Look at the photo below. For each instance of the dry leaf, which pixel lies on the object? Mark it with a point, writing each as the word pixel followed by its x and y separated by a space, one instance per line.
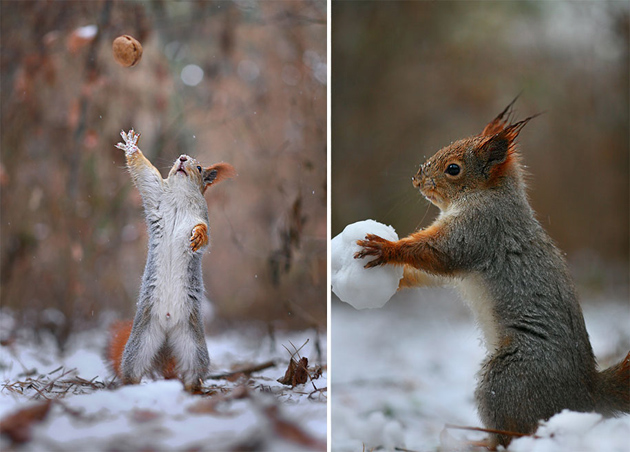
pixel 142 416
pixel 316 373
pixel 292 432
pixel 204 406
pixel 296 374
pixel 17 426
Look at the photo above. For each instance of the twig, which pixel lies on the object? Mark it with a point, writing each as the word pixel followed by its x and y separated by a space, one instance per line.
pixel 488 430
pixel 244 370
pixel 56 370
pixel 297 350
pixel 320 390
pixel 50 385
pixel 40 393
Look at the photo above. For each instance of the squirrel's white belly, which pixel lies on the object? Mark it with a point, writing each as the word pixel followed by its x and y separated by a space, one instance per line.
pixel 474 291
pixel 172 258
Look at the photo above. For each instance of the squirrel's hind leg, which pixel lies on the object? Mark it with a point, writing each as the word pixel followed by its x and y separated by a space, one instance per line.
pixel 145 342
pixel 188 343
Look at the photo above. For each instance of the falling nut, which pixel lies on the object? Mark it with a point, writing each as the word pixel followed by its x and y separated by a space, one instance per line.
pixel 127 50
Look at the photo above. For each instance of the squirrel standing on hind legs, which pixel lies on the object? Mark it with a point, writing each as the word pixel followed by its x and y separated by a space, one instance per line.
pixel 167 335
pixel 488 242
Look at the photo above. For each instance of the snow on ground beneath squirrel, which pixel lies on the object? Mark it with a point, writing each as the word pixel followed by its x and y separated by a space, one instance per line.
pixel 254 412
pixel 401 373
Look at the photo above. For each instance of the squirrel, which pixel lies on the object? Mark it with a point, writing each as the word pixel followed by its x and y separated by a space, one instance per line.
pixel 487 241
pixel 167 336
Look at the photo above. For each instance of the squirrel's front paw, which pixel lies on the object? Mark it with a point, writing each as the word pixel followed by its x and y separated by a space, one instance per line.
pixel 130 142
pixel 199 237
pixel 373 245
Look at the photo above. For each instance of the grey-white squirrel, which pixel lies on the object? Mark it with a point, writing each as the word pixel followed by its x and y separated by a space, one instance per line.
pixel 167 335
pixel 487 241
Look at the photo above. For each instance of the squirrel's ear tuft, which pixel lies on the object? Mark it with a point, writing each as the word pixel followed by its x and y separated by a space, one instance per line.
pixel 498 124
pixel 216 173
pixel 513 130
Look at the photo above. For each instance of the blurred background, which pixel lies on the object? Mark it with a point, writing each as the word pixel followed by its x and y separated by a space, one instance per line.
pixel 237 81
pixel 412 77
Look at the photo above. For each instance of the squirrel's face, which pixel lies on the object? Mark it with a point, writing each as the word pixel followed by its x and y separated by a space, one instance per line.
pixel 452 171
pixel 473 164
pixel 187 170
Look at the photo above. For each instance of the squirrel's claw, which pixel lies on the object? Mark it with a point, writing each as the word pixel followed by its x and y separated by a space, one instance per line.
pixel 372 246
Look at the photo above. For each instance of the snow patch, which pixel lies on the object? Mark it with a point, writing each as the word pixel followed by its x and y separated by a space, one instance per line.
pixel 569 431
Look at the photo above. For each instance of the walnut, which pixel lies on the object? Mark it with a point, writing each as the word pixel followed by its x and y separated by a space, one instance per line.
pixel 127 50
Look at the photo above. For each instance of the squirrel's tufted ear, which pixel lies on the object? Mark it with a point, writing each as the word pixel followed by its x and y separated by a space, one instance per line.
pixel 494 149
pixel 216 173
pixel 497 148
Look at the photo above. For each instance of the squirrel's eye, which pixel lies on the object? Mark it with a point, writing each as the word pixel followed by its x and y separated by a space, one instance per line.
pixel 453 169
pixel 199 168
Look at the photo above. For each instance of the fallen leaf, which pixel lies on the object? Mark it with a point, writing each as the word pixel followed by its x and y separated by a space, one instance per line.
pixel 17 426
pixel 297 372
pixel 204 406
pixel 292 432
pixel 316 373
pixel 301 372
pixel 142 416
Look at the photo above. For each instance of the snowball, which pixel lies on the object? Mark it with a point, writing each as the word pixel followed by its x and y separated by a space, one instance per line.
pixel 351 282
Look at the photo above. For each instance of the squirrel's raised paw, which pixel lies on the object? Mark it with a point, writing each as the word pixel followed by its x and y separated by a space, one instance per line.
pixel 373 245
pixel 130 142
pixel 199 237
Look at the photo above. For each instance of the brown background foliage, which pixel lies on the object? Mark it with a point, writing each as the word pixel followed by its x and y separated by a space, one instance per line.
pixel 72 230
pixel 411 77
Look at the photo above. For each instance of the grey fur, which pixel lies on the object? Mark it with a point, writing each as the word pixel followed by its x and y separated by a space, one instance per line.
pixel 545 362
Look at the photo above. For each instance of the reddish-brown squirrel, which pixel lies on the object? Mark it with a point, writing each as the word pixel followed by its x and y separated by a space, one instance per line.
pixel 166 336
pixel 488 242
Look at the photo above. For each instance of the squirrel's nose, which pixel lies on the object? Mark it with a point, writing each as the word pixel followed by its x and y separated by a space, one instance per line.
pixel 183 158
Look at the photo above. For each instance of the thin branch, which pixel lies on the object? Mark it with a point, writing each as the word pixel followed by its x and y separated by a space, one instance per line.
pixel 244 370
pixel 488 430
pixel 297 350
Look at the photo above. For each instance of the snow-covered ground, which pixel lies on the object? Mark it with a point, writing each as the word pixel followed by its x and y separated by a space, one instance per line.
pixel 400 373
pixel 253 412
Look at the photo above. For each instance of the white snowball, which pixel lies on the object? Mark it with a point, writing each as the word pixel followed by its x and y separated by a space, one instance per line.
pixel 361 287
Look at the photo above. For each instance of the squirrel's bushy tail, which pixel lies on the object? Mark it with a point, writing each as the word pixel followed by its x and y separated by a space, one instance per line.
pixel 613 389
pixel 119 334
